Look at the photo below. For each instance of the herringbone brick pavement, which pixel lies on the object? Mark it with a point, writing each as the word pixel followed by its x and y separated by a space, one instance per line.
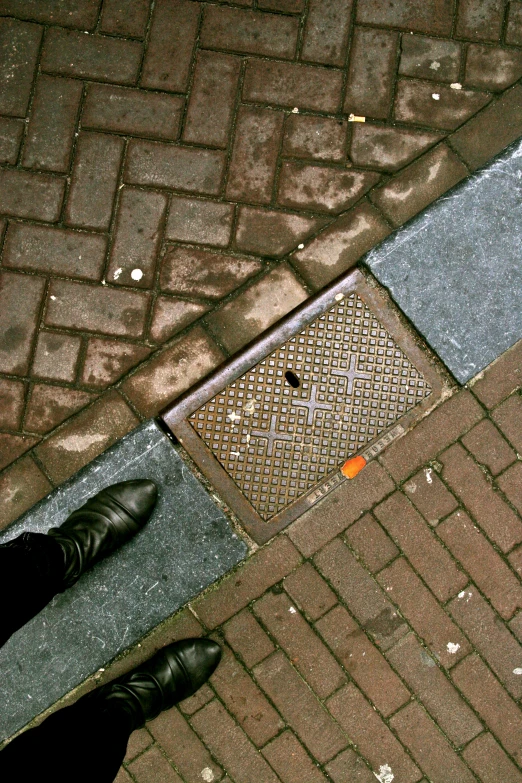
pixel 177 175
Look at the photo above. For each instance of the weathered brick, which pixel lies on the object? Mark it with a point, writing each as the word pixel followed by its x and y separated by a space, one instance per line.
pixel 194 703
pixel 125 17
pixel 340 246
pixel 348 767
pixel 66 14
pixel 508 416
pixel 511 485
pixel 340 509
pixel 289 759
pixel 489 447
pixel 92 431
pixel 370 734
pixel 247 638
pixel 321 138
pixel 415 103
pixel 430 58
pixel 107 360
pixel 169 166
pixel 268 566
pixel 21 485
pixel 55 250
pixel 94 180
pixel 13 446
pixel 423 612
pixel 490 636
pixel 91 56
pixel 421 546
pixel 214 84
pixel 171 44
pixel 271 233
pixel 326 31
pixel 371 75
pixel 293 85
pixel 310 591
pixel 52 122
pixel 431 435
pixel 12 395
pixel 300 708
pixel 182 745
pixel 50 406
pixel 492 68
pixel 170 315
pixel 137 237
pixel 491 130
pixel 480 20
pixel 19 47
pixel 365 664
pixel 436 692
pixel 309 656
pixel 133 112
pixel 199 273
pixel 122 776
pixel 172 371
pixel 245 701
pixel 371 543
pixel 427 492
pixel 501 378
pixel 430 749
pixel 230 746
pixel 56 356
pixel 322 188
pixel 254 155
pixel 492 703
pixel 25 194
pixel 487 760
pixel 361 594
pixel 249 32
pixel 20 302
pixel 153 766
pixel 257 308
pixel 196 220
pixel 286 6
pixel 139 741
pixel 433 16
pixel 514 25
pixel 11 132
pixel 419 184
pixel 96 309
pixel 468 481
pixel 388 148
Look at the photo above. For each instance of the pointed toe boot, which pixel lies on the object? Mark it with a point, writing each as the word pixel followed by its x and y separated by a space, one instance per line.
pixel 173 674
pixel 103 524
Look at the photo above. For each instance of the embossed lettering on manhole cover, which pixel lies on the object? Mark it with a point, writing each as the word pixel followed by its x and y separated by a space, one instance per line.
pixel 344 373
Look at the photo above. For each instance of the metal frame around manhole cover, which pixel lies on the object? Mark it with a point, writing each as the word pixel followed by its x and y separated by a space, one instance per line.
pixel 271 428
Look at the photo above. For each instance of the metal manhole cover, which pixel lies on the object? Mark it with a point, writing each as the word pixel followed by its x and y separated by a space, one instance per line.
pixel 341 376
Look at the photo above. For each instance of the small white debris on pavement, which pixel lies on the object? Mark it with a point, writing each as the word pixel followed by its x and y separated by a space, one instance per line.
pixel 234 416
pixel 428 473
pixel 136 274
pixel 385 774
pixel 355 118
pixel 436 96
pixel 207 775
pixel 118 272
pixel 435 65
pixel 53 298
pixel 456 86
pixel 295 110
pixel 452 648
pixel 235 453
pixel 250 406
pixel 292 610
pixel 517 671
pixel 301 246
pixel 339 297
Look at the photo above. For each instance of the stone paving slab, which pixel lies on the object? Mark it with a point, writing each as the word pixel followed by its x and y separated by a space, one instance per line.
pixel 186 546
pixel 456 271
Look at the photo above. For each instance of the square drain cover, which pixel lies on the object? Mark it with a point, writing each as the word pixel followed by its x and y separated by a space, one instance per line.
pixel 341 376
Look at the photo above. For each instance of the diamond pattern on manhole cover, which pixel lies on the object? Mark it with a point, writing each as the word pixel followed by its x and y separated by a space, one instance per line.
pixel 276 441
pixel 340 376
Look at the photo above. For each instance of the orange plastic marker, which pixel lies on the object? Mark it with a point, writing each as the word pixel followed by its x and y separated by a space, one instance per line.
pixel 353 466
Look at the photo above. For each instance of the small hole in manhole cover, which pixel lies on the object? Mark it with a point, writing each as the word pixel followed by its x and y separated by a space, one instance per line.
pixel 292 379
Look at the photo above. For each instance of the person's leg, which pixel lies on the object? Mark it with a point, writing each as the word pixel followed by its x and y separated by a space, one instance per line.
pixel 31 570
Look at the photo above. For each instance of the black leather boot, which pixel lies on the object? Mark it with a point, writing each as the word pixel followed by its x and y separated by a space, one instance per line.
pixel 103 524
pixel 174 673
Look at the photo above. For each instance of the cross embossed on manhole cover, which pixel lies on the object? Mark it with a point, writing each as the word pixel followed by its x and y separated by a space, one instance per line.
pixel 332 386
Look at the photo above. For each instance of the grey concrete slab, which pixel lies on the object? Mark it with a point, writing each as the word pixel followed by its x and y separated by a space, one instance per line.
pixel 456 270
pixel 185 547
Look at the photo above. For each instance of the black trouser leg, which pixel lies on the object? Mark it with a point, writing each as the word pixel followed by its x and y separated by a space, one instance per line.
pixel 84 743
pixel 31 569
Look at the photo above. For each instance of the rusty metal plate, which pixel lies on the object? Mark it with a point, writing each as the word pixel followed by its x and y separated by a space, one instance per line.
pixel 341 376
